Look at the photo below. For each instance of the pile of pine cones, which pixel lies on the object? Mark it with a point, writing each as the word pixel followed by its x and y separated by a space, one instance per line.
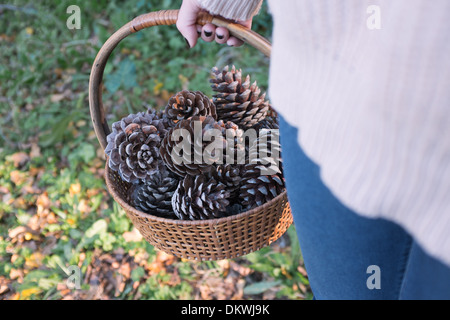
pixel 225 183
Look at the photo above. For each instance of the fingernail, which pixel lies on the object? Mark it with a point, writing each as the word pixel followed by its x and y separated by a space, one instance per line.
pixel 208 34
pixel 187 43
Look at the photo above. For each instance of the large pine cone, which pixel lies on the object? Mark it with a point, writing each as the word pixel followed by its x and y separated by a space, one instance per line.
pixel 155 195
pixel 267 123
pixel 133 146
pixel 186 104
pixel 230 176
pixel 266 149
pixel 201 149
pixel 257 189
pixel 200 198
pixel 237 101
pixel 262 175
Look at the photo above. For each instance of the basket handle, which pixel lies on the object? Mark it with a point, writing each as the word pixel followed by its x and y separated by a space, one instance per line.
pixel 165 17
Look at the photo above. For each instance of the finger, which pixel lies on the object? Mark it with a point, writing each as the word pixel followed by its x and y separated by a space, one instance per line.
pixel 199 30
pixel 209 32
pixel 222 35
pixel 247 24
pixel 186 22
pixel 234 42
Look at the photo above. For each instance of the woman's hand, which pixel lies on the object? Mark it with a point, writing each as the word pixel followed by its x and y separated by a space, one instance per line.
pixel 187 26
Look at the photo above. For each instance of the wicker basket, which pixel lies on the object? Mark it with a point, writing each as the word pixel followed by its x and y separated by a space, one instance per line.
pixel 217 239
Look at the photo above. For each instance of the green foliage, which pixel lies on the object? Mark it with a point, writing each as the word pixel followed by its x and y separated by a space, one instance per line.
pixel 55 211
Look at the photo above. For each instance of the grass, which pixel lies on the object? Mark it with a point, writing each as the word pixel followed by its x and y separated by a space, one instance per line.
pixel 55 211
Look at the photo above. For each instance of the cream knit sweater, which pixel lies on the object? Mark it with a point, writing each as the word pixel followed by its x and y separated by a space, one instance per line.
pixel 368 85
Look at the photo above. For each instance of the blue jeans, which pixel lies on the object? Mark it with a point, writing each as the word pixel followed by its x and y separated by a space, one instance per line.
pixel 347 256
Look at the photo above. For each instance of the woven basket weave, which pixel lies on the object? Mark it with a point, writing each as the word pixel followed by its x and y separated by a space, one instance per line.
pixel 216 239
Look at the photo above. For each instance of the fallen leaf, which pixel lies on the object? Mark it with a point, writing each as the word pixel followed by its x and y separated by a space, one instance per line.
pixel 17 231
pixel 225 265
pixel 30 190
pixel 165 258
pixel 25 294
pixel 155 267
pixel 17 177
pixel 15 274
pixel 133 236
pixel 57 97
pixel 125 270
pixel 35 150
pixel 52 218
pixel 35 171
pixel 75 189
pixel 43 203
pixel 15 296
pixel 302 271
pixel 240 269
pixel 3 288
pixel 34 260
pixel 20 159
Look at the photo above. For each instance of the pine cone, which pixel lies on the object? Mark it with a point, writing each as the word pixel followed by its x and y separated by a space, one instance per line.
pixel 262 175
pixel 237 101
pixel 193 157
pixel 230 176
pixel 267 123
pixel 258 189
pixel 265 151
pixel 133 146
pixel 155 195
pixel 200 198
pixel 186 104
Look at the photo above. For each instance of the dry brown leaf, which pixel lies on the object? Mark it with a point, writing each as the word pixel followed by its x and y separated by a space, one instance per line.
pixel 30 190
pixel 35 150
pixel 17 231
pixel 302 271
pixel 34 223
pixel 34 260
pixel 43 203
pixel 225 265
pixel 75 189
pixel 155 267
pixel 57 97
pixel 17 177
pixel 165 258
pixel 16 274
pixel 125 270
pixel 83 207
pixel 36 171
pixel 52 218
pixel 20 159
pixel 240 269
pixel 133 236
pixel 15 296
pixel 20 203
pixel 270 294
pixel 3 288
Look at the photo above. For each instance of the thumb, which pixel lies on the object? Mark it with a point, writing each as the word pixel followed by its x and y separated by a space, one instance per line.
pixel 186 23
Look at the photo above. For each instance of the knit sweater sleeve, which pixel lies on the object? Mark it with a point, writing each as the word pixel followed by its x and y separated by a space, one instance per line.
pixel 241 10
